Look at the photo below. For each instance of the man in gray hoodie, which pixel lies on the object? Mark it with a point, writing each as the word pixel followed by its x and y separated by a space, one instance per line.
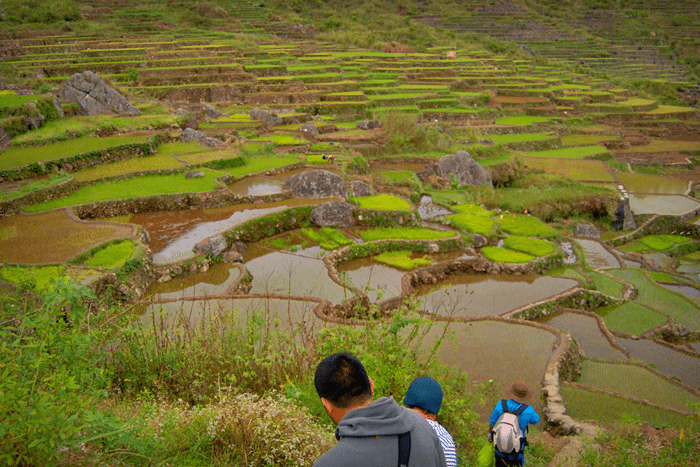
pixel 369 431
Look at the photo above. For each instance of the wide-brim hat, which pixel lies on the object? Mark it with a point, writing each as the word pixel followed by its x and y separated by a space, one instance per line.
pixel 519 392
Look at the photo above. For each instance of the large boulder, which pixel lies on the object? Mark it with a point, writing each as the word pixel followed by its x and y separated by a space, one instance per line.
pixel 316 184
pixel 465 169
pixel 212 246
pixel 334 214
pixel 267 116
pixel 94 96
pixel 360 189
pixel 586 231
pixel 189 135
pixel 5 141
pixel 624 217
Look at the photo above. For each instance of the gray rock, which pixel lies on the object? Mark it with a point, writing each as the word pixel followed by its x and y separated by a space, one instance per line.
pixel 5 141
pixel 239 247
pixel 267 116
pixel 57 104
pixel 210 112
pixel 586 231
pixel 309 128
pixel 368 124
pixel 190 135
pixel 94 97
pixel 466 170
pixel 486 141
pixel 195 174
pixel 480 241
pixel 35 122
pixel 232 256
pixel 315 184
pixel 334 214
pixel 433 248
pixel 360 188
pixel 212 246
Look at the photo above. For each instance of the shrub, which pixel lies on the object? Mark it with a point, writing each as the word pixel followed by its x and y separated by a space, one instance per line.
pixel 358 165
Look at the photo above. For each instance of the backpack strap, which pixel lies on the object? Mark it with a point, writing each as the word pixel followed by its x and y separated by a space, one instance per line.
pixel 504 404
pixel 404 449
pixel 520 410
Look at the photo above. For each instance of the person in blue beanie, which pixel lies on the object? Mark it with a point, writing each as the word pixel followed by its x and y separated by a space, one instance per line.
pixel 424 395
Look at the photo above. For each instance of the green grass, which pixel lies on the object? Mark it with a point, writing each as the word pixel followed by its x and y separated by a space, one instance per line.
pixel 587 405
pixel 23 155
pixel 261 164
pixel 663 242
pixel 531 246
pixel 521 137
pixel 637 382
pixel 577 152
pixel 679 308
pixel 382 202
pixel 633 319
pixel 473 209
pixel 282 140
pixel 400 177
pixel 404 233
pixel 575 169
pixel 523 120
pixel 132 188
pixel 472 223
pixel 526 226
pixel 402 259
pixel 113 256
pixel 503 255
pixel 139 164
pixel 42 276
pixel 606 285
pixel 23 189
pixel 657 276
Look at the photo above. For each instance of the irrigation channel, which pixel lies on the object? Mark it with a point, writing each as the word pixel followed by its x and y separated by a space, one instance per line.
pixel 295 285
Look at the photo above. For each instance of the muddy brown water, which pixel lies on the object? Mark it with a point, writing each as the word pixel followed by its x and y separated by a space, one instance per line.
pixel 671 205
pixel 585 331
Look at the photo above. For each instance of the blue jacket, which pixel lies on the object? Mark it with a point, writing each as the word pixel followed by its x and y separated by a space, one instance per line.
pixel 529 416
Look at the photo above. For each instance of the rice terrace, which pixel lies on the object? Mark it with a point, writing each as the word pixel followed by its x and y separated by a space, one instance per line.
pixel 201 200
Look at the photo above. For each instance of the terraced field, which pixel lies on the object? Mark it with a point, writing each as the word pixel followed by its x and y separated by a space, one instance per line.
pixel 566 142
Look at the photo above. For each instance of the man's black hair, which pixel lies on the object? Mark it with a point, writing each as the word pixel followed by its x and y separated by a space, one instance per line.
pixel 341 379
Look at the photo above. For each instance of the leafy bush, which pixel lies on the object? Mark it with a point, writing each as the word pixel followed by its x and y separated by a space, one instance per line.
pixel 52 374
pixel 357 165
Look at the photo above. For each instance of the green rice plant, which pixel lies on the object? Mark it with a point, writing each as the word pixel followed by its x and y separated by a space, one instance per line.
pixel 113 256
pixel 587 405
pixel 606 285
pixel 578 152
pixel 520 137
pixel 137 164
pixel 314 235
pixel 400 178
pixel 503 255
pixel 255 165
pixel 150 185
pixel 472 223
pixel 382 202
pixel 282 140
pixel 663 277
pixel 172 148
pixel 23 189
pixel 23 155
pixel 404 233
pixel 531 246
pixel 664 301
pixel 637 382
pixel 575 169
pixel 402 259
pixel 524 120
pixel 288 241
pixel 473 209
pixel 586 139
pixel 664 241
pixel 633 319
pixel 336 236
pixel 526 226
pixel 446 197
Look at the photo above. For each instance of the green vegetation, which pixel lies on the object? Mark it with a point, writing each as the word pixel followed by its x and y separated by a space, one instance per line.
pixel 633 319
pixel 503 255
pixel 131 188
pixel 531 246
pixel 327 237
pixel 577 152
pixel 526 226
pixel 471 223
pixel 663 242
pixel 383 203
pixel 606 285
pixel 472 209
pixel 112 256
pixel 405 233
pixel 402 259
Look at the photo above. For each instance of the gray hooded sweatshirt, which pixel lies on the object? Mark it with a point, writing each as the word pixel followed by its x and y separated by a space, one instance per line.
pixel 368 437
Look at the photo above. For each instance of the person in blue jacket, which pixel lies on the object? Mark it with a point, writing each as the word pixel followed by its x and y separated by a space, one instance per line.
pixel 517 395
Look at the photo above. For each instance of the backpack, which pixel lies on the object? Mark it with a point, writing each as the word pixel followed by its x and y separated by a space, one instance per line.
pixel 507 435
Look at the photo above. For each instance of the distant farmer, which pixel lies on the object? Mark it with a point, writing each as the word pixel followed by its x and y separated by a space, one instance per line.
pixel 509 421
pixel 424 395
pixel 370 433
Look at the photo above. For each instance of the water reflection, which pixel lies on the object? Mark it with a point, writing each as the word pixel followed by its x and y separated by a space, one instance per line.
pixel 596 254
pixel 585 331
pixel 671 205
pixel 489 295
pixel 256 186
pixel 181 248
pixel 377 280
pixel 668 361
pixel 656 184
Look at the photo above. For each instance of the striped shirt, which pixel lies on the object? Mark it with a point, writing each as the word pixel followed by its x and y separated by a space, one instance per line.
pixel 448 444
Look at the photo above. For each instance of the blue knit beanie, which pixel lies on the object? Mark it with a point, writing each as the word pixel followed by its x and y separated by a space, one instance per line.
pixel 426 393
